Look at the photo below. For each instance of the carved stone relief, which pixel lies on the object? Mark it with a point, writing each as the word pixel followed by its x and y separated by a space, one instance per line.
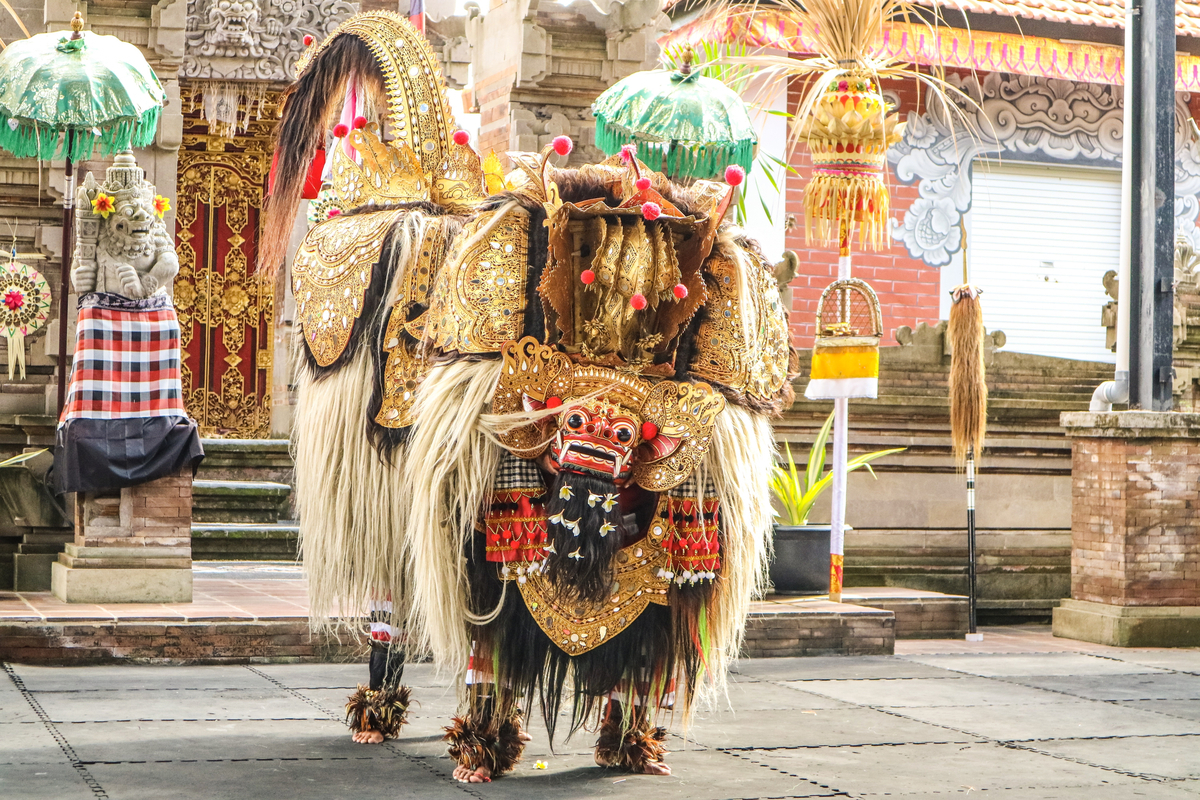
pixel 1018 118
pixel 254 39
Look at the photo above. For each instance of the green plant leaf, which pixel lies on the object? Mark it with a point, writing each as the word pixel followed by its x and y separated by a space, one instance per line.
pixel 798 491
pixel 21 458
pixel 816 456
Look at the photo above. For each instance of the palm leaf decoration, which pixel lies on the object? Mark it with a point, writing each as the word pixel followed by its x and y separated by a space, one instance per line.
pixel 842 117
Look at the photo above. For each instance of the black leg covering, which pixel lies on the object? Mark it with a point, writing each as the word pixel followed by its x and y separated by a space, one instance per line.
pixel 387 666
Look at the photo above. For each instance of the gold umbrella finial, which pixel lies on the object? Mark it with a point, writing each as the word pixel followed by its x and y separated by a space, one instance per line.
pixel 688 56
pixel 77 26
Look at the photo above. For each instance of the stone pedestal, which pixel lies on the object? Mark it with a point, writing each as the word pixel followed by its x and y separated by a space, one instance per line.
pixel 1135 530
pixel 132 546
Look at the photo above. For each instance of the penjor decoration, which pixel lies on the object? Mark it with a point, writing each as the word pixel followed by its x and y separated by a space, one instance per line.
pixel 533 430
pixel 847 126
pixel 25 295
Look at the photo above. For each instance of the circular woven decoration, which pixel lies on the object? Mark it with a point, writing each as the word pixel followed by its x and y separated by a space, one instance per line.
pixel 24 300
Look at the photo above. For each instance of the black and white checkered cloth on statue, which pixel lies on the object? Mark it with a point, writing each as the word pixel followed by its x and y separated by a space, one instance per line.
pixel 124 422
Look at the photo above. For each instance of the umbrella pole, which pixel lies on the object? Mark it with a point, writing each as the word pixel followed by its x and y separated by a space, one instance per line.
pixel 64 306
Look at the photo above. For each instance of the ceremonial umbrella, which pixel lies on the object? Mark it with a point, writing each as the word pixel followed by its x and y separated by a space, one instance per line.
pixel 63 94
pixel 692 125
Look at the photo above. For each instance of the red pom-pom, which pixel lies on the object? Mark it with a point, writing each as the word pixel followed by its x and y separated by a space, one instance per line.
pixel 360 122
pixel 734 175
pixel 680 291
pixel 308 40
pixel 628 152
pixel 562 145
pixel 461 137
pixel 587 276
pixel 333 212
pixel 553 402
pixel 642 184
pixel 340 131
pixel 638 301
pixel 649 431
pixel 651 210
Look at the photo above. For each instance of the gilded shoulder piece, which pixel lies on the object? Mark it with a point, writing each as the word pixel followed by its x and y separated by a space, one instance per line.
pixel 330 275
pixel 742 342
pixel 478 302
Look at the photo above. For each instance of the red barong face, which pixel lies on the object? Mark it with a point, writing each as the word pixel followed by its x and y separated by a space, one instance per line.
pixel 598 438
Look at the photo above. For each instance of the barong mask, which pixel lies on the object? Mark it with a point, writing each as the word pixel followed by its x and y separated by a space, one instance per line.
pixel 668 424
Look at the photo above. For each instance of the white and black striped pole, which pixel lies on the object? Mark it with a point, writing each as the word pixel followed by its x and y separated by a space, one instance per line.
pixel 972 635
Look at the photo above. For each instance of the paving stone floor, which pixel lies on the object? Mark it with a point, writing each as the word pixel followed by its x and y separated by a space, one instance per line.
pixel 1042 719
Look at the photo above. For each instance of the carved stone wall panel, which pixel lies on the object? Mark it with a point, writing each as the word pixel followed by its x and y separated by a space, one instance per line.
pixel 1025 119
pixel 226 309
pixel 254 39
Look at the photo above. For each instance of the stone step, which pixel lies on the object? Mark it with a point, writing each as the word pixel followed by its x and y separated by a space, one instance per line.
pixel 245 542
pixel 224 501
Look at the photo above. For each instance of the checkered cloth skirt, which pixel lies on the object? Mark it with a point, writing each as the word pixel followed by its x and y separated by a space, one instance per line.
pixel 126 359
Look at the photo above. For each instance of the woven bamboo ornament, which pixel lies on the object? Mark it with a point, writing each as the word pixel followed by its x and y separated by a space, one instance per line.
pixel 842 117
pixel 848 133
pixel 24 308
pixel 846 352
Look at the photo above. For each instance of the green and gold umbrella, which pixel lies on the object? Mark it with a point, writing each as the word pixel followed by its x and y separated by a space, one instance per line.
pixel 61 95
pixel 690 125
pixel 64 93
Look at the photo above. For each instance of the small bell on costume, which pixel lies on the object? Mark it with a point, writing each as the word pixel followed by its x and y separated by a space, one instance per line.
pixel 845 359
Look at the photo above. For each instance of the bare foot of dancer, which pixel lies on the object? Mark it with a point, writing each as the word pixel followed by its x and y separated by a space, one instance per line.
pixel 467 775
pixel 368 737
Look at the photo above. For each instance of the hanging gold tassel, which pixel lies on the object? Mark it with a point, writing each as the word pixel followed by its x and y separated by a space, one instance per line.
pixel 968 387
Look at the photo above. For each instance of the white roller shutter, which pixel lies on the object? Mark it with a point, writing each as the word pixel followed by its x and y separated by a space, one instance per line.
pixel 1040 240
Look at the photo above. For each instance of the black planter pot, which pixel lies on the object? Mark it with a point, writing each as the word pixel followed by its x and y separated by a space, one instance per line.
pixel 801 563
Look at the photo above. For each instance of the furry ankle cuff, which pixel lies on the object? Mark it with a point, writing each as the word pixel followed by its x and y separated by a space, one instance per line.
pixel 495 745
pixel 385 710
pixel 632 749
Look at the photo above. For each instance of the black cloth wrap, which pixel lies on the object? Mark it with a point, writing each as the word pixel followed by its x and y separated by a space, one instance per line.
pixel 92 455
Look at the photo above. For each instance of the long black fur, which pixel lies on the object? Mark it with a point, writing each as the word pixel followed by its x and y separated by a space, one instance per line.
pixel 530 666
pixel 588 578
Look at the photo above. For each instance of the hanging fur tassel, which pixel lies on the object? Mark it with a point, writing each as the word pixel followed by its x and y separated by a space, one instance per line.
pixel 968 387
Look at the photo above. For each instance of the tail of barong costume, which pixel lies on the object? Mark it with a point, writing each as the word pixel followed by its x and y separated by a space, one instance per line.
pixel 536 420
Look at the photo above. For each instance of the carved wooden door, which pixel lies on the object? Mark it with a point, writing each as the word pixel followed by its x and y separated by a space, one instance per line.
pixel 226 309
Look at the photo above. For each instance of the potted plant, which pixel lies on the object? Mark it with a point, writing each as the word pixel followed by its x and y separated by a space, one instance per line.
pixel 801 562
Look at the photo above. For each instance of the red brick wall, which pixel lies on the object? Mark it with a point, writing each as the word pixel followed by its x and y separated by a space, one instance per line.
pixel 908 288
pixel 1135 521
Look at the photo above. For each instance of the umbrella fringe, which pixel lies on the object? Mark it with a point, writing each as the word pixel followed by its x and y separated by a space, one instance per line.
pixel 705 161
pixel 28 140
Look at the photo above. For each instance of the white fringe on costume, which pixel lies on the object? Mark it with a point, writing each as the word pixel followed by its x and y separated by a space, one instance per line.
pixel 451 466
pixel 739 463
pixel 351 503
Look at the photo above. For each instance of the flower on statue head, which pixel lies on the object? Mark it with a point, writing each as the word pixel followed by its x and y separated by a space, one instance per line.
pixel 103 204
pixel 161 205
pixel 14 300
